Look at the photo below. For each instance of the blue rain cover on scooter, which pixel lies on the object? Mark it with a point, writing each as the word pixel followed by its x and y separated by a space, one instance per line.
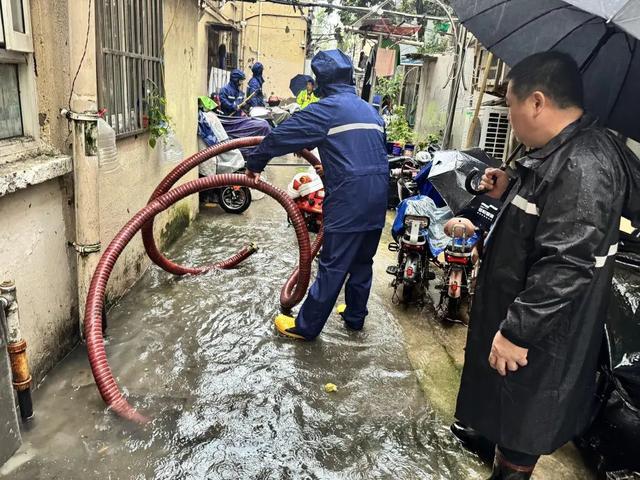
pixel 423 206
pixel 205 132
pixel 425 187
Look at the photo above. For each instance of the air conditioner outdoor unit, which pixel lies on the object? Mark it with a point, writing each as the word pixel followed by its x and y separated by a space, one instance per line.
pixel 495 130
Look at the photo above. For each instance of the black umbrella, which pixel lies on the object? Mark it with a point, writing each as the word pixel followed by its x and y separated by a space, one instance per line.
pixel 299 83
pixel 602 36
pixel 448 174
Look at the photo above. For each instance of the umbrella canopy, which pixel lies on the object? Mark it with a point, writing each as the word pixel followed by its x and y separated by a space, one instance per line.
pixel 449 173
pixel 602 36
pixel 299 83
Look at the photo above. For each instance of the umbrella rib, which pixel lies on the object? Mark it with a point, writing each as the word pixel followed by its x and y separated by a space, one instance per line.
pixel 624 80
pixel 544 14
pixel 573 30
pixel 604 39
pixel 486 10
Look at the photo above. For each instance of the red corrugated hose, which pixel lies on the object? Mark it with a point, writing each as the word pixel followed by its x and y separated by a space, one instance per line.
pixel 162 198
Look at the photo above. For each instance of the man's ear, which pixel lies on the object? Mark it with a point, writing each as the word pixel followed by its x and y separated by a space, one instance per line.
pixel 539 101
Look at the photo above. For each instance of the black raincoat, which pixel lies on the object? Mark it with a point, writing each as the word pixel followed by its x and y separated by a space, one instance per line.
pixel 544 283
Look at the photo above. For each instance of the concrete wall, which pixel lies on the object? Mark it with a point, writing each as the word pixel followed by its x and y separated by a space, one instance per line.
pixel 34 252
pixel 433 98
pixel 39 220
pixel 276 38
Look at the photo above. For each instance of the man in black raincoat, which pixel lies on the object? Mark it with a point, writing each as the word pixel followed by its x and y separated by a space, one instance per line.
pixel 541 298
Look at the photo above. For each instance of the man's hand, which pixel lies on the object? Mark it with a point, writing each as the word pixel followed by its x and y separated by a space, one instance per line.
pixel 506 355
pixel 255 176
pixel 319 170
pixel 495 182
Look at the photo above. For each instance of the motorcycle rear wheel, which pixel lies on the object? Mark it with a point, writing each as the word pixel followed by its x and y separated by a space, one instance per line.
pixel 235 201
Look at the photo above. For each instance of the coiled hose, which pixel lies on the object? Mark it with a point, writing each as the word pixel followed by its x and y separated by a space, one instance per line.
pixel 289 296
pixel 107 385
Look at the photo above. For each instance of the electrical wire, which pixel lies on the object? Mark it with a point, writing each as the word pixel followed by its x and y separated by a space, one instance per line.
pixel 84 54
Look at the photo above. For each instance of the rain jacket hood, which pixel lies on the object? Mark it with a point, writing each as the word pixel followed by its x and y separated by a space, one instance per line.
pixel 544 284
pixel 236 76
pixel 334 72
pixel 257 69
pixel 255 86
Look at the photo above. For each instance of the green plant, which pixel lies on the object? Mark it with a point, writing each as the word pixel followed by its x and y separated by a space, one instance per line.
pixel 390 86
pixel 398 129
pixel 159 121
pixel 430 139
pixel 434 41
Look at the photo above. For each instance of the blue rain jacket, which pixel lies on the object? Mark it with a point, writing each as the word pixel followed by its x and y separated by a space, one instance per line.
pixel 255 85
pixel 230 95
pixel 350 137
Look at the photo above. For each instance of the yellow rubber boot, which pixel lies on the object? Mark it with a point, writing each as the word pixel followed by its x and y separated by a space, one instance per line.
pixel 341 308
pixel 284 323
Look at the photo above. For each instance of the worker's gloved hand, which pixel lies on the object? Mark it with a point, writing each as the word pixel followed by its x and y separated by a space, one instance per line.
pixel 255 176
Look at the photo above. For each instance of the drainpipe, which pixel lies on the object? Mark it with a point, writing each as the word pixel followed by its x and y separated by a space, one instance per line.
pixel 86 199
pixel 259 29
pixel 17 348
pixel 81 112
pixel 243 33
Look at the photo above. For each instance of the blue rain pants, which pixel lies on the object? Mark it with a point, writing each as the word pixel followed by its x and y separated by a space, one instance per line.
pixel 344 256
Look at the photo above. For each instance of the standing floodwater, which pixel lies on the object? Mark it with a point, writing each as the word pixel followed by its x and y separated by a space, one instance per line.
pixel 232 399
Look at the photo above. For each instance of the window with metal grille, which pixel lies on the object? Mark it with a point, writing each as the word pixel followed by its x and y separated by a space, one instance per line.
pixel 495 132
pixel 130 61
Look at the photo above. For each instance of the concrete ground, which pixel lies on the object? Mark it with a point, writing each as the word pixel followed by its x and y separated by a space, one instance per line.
pixel 235 400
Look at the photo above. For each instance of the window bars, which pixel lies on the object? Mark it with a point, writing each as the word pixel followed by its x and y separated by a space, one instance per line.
pixel 129 41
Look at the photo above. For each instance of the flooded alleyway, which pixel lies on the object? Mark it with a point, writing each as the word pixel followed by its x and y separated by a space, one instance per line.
pixel 230 398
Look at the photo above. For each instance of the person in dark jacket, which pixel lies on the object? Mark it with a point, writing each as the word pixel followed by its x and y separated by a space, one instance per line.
pixel 350 137
pixel 255 86
pixel 541 300
pixel 231 95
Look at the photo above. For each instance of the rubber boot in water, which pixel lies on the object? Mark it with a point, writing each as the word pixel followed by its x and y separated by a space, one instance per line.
pixel 505 470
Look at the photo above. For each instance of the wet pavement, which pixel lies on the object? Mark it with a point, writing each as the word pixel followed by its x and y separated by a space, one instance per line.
pixel 230 398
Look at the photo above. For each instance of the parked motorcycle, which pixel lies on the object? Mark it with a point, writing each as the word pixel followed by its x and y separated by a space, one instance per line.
pixel 458 270
pixel 402 185
pixel 232 199
pixel 411 274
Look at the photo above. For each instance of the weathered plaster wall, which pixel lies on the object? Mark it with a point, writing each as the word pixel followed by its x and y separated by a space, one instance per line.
pixel 278 41
pixel 51 37
pixel 433 96
pixel 39 221
pixel 34 253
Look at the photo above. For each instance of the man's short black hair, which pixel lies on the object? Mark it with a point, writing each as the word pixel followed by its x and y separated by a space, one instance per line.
pixel 555 74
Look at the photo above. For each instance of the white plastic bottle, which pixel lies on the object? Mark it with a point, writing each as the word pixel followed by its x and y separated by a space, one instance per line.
pixel 107 151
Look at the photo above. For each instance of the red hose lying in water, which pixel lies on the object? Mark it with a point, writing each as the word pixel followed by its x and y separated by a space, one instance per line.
pixel 102 373
pixel 287 297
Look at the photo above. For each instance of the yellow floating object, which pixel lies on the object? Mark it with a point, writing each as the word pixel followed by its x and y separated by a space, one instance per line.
pixel 330 387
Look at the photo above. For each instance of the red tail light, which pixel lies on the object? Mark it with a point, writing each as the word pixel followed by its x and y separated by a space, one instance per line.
pixel 457 260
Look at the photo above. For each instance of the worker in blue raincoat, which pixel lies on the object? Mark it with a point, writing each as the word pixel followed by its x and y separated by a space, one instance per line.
pixel 255 86
pixel 350 137
pixel 231 95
